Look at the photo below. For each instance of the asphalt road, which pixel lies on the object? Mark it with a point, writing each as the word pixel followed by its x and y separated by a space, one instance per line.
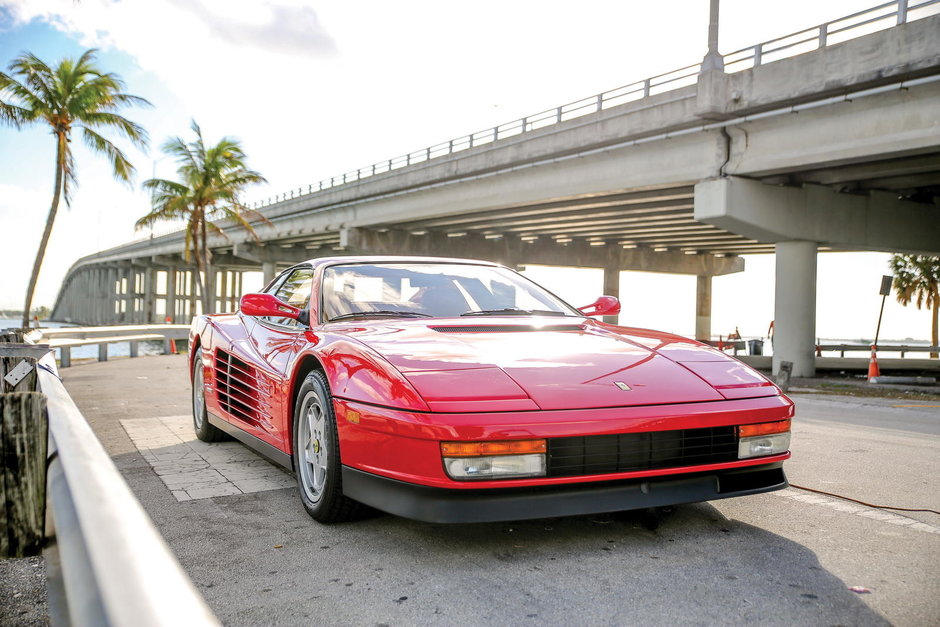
pixel 783 558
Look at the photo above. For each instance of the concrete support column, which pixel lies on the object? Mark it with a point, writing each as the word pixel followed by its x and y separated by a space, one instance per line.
pixel 82 296
pixel 795 307
pixel 269 270
pixel 193 296
pixel 612 288
pixel 703 308
pixel 150 294
pixel 236 289
pixel 112 296
pixel 98 289
pixel 171 295
pixel 127 302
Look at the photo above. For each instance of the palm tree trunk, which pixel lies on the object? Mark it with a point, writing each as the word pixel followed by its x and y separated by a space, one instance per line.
pixel 197 253
pixel 50 220
pixel 208 294
pixel 934 326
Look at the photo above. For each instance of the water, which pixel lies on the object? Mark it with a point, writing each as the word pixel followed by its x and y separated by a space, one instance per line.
pixel 122 349
pixel 118 349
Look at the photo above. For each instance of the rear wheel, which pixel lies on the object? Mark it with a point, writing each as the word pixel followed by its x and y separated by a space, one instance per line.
pixel 317 455
pixel 204 431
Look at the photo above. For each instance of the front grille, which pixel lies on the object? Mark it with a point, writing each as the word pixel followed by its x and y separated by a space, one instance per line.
pixel 629 452
pixel 516 328
pixel 240 392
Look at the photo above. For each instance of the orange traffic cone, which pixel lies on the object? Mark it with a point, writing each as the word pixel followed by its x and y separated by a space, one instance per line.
pixel 169 320
pixel 873 364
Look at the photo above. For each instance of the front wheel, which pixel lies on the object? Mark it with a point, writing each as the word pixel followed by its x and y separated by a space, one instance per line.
pixel 316 453
pixel 204 431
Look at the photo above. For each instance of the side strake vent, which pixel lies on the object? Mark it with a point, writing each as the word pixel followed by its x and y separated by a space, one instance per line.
pixel 240 392
pixel 508 328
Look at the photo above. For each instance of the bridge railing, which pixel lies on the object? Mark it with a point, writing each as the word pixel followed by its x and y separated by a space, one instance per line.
pixel 820 36
pixel 826 34
pixel 858 24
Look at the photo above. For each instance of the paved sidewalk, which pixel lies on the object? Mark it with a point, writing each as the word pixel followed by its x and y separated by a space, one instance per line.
pixel 192 469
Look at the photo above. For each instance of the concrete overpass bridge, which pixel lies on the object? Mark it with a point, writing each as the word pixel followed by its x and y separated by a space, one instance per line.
pixel 827 139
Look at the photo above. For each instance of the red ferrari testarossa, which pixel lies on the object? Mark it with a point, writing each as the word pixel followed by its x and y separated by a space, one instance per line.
pixel 451 390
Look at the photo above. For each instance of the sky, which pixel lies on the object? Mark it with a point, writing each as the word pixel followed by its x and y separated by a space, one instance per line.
pixel 315 89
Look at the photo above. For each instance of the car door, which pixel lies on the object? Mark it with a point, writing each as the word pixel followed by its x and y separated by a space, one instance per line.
pixel 276 341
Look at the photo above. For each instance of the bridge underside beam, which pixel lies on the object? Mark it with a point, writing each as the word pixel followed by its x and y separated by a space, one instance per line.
pixel 513 251
pixel 814 213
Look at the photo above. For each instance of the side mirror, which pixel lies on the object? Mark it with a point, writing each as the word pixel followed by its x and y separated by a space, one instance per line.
pixel 603 306
pixel 268 305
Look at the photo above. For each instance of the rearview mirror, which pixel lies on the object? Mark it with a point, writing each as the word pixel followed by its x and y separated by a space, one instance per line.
pixel 268 305
pixel 603 306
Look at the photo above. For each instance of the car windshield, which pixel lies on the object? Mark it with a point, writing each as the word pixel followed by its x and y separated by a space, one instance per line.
pixel 438 290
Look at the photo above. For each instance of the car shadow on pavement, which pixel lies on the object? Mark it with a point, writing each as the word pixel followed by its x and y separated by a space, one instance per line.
pixel 690 565
pixel 687 563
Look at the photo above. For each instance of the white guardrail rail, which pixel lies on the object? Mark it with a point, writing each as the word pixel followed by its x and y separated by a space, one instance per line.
pixel 106 562
pixel 67 338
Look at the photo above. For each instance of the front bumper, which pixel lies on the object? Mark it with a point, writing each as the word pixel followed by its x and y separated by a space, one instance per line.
pixel 441 505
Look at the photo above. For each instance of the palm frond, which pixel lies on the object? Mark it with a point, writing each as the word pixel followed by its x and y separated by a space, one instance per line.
pixel 122 168
pixel 131 130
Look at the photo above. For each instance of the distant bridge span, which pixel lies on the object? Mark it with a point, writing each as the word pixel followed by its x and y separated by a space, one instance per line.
pixel 837 148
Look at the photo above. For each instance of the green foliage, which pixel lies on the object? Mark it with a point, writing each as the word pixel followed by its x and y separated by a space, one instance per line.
pixel 211 180
pixel 916 278
pixel 73 95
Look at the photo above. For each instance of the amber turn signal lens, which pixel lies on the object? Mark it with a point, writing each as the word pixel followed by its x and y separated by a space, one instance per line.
pixel 763 428
pixel 480 449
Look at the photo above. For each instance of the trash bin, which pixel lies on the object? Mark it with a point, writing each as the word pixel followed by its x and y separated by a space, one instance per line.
pixel 755 347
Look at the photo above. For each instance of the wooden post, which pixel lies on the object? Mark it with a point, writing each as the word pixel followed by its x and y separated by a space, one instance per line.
pixel 23 442
pixel 29 383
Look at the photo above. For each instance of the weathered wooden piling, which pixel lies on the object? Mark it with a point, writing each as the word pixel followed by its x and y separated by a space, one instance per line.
pixel 23 442
pixel 24 436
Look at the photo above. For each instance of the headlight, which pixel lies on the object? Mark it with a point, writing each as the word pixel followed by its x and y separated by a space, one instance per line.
pixel 767 438
pixel 502 467
pixel 494 460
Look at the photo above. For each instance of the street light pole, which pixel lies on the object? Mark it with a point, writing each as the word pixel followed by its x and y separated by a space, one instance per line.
pixel 713 59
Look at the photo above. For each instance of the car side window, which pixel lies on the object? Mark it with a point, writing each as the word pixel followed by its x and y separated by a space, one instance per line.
pixel 294 290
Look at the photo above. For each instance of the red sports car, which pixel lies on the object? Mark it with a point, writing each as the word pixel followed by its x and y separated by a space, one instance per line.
pixel 450 390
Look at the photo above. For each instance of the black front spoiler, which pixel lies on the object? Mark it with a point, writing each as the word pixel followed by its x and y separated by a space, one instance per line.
pixel 440 505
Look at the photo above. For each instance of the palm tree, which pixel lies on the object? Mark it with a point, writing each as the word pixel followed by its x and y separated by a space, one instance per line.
pixel 211 181
pixel 918 277
pixel 73 95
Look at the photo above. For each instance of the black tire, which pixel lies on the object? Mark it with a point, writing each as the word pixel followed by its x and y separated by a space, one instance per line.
pixel 317 463
pixel 204 431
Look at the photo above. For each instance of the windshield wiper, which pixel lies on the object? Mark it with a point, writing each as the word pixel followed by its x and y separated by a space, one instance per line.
pixel 383 313
pixel 514 311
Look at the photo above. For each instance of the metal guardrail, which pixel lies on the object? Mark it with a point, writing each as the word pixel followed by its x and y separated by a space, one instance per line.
pixel 67 338
pixel 820 36
pixel 108 564
pixel 842 349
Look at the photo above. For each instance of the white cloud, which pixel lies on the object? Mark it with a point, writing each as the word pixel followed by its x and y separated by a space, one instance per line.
pixel 264 25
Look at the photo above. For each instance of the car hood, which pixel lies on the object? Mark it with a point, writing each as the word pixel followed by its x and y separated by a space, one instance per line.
pixel 552 364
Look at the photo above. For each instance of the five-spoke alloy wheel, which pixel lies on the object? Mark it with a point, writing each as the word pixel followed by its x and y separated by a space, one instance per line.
pixel 317 455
